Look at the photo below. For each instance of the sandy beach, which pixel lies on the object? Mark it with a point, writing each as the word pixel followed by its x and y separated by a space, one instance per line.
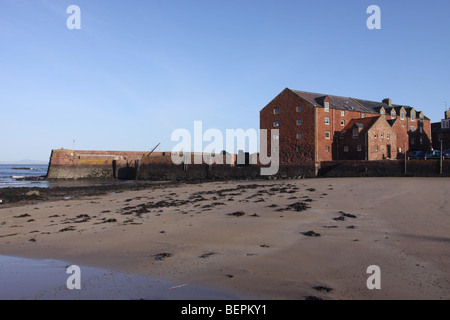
pixel 275 239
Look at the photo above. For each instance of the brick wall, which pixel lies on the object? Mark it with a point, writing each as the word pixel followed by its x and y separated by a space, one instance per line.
pixel 82 164
pixel 286 103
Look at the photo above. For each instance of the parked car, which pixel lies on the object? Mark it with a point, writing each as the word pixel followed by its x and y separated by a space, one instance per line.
pixel 446 153
pixel 416 155
pixel 433 154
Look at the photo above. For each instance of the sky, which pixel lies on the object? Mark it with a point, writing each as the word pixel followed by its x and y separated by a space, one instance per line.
pixel 137 70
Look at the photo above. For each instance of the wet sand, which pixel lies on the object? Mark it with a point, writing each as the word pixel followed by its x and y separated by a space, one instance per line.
pixel 277 239
pixel 31 279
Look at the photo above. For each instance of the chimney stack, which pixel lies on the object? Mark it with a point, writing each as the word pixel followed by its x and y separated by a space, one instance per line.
pixel 447 114
pixel 388 101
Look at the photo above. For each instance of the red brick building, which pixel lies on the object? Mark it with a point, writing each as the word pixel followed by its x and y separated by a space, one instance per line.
pixel 310 126
pixel 441 132
pixel 369 138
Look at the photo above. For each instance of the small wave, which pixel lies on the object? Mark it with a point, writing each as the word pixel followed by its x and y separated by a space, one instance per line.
pixel 18 177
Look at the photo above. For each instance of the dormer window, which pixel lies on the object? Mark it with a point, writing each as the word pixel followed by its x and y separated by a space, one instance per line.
pixel 393 114
pixel 402 115
pixel 355 132
pixel 413 116
pixel 327 106
pixel 363 115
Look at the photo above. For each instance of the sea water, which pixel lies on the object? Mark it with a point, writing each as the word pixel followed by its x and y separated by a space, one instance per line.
pixel 12 175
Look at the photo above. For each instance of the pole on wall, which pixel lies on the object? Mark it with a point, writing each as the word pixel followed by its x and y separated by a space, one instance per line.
pixel 442 156
pixel 405 159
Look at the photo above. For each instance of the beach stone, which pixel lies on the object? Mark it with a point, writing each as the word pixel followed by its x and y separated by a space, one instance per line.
pixel 33 193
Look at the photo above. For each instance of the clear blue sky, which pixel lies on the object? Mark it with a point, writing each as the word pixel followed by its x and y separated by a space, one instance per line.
pixel 138 70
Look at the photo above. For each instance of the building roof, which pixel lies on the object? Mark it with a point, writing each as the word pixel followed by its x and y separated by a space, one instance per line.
pixel 352 104
pixel 337 102
pixel 363 123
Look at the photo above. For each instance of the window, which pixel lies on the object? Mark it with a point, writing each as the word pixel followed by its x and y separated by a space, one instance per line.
pixel 393 114
pixel 299 109
pixel 376 136
pixel 276 111
pixel 421 130
pixel 299 135
pixel 327 106
pixel 376 149
pixel 355 132
pixel 276 124
pixel 413 128
pixel 359 148
pixel 413 116
pixel 327 120
pixel 382 135
pixel 402 115
pixel 327 135
pixel 388 137
pixel 363 115
pixel 421 140
pixel 342 122
pixel 342 113
pixel 299 122
pixel 345 148
pixel 382 112
pixel 299 149
pixel 327 148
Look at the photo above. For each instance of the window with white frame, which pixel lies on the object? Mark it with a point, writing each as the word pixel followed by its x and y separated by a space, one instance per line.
pixel 342 122
pixel 327 135
pixel 363 115
pixel 413 128
pixel 342 113
pixel 402 115
pixel 327 106
pixel 327 120
pixel 327 148
pixel 413 116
